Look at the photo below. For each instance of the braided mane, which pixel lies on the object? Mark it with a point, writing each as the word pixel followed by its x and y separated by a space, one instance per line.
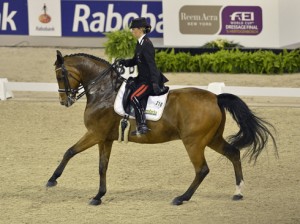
pixel 89 56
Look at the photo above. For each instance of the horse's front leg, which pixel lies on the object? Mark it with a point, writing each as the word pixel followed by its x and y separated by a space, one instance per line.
pixel 104 154
pixel 87 141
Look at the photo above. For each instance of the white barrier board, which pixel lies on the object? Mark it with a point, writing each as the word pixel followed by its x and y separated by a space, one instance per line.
pixel 7 88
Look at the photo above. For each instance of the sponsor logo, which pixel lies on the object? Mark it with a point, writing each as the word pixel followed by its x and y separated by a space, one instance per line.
pixel 151 112
pixel 199 19
pixel 45 18
pixel 241 20
pixel 235 20
pixel 94 18
pixel 43 23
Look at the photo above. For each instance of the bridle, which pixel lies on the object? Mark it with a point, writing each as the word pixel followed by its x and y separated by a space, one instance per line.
pixel 71 92
pixel 68 90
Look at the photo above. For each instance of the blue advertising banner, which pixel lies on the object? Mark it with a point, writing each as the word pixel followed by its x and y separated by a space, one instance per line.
pixel 91 18
pixel 13 17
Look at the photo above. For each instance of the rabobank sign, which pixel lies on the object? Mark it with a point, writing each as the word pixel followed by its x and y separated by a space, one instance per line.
pixel 92 18
pixel 13 17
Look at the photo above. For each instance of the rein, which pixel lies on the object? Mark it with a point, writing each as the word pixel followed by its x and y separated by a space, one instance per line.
pixel 71 93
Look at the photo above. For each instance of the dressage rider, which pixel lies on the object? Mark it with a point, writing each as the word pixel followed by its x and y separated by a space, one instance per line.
pixel 149 80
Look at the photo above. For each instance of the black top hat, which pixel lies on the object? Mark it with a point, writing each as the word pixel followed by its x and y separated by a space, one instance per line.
pixel 139 22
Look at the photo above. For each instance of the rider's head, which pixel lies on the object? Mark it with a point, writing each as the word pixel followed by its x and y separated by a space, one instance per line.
pixel 139 27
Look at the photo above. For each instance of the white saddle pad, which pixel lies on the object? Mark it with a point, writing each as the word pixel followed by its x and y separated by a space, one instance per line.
pixel 154 109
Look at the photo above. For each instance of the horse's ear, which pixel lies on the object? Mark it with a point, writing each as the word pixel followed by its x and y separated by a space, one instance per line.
pixel 59 57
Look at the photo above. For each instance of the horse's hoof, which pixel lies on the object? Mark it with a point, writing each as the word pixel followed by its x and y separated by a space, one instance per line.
pixel 237 197
pixel 177 201
pixel 95 202
pixel 51 183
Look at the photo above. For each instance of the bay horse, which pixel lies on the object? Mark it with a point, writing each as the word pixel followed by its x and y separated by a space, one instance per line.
pixel 195 116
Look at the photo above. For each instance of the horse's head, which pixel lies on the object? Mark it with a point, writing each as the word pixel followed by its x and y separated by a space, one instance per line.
pixel 68 80
pixel 93 74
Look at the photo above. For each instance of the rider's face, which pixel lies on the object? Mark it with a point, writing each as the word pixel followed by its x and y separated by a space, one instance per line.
pixel 137 32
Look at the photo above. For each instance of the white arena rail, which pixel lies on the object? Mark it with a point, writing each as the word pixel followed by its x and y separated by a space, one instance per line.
pixel 7 89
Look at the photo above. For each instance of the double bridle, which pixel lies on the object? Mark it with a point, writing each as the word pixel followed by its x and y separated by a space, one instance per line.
pixel 71 93
pixel 68 90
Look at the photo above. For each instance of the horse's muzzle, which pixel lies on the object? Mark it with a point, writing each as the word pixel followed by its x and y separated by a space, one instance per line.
pixel 68 101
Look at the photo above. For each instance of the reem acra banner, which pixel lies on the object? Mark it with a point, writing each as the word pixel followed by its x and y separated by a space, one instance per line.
pixel 234 20
pixel 193 23
pixel 44 17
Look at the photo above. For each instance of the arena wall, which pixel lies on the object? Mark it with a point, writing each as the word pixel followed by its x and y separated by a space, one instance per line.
pixel 82 23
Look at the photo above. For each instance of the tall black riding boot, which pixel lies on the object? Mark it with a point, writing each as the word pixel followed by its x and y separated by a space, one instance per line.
pixel 140 118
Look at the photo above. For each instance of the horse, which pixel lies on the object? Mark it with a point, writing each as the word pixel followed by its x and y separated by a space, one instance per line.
pixel 195 116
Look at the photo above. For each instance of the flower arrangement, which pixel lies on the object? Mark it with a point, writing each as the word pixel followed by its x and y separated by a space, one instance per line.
pixel 119 44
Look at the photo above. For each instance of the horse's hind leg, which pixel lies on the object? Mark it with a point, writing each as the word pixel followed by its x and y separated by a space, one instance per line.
pixel 233 154
pixel 87 141
pixel 196 155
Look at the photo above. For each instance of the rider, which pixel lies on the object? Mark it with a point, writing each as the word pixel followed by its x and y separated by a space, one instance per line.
pixel 149 80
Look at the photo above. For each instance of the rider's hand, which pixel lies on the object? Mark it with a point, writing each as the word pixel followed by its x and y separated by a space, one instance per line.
pixel 122 62
pixel 156 88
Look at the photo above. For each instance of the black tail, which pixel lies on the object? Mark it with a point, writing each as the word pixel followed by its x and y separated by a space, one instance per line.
pixel 253 132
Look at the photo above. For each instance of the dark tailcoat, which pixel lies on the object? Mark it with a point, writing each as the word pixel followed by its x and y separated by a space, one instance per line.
pixel 144 58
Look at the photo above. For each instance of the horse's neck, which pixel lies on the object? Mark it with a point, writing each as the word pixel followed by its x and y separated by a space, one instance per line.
pixel 100 88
